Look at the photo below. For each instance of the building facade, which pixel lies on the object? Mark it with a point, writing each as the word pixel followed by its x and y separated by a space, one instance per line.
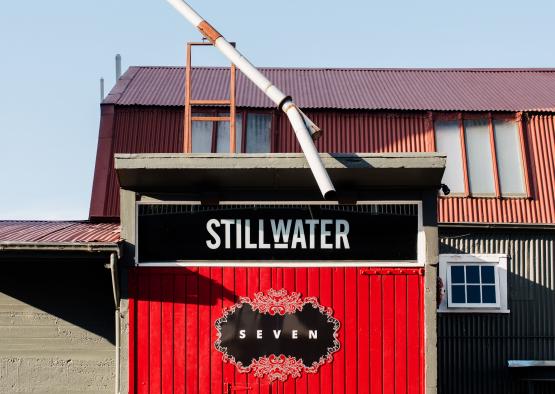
pixel 494 222
pixel 499 206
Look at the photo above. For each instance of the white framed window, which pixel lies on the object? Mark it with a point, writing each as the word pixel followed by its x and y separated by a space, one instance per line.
pixel 448 137
pixel 473 283
pixel 485 155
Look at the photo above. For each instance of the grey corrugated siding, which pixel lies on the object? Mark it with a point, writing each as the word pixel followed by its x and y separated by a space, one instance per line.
pixel 473 349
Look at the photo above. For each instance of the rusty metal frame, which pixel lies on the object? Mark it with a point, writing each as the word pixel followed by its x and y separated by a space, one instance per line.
pixel 189 102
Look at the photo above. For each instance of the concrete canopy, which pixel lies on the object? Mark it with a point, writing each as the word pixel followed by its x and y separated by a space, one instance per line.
pixel 185 173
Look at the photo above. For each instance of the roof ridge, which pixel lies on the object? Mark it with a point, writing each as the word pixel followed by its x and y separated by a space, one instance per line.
pixel 376 69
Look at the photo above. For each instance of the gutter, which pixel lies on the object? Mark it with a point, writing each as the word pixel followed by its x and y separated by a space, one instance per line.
pixel 513 226
pixel 91 247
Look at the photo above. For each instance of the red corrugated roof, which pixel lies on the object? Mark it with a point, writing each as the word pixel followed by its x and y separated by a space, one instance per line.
pixel 370 89
pixel 58 231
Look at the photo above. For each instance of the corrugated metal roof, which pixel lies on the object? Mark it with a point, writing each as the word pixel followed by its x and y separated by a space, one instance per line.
pixel 58 231
pixel 370 89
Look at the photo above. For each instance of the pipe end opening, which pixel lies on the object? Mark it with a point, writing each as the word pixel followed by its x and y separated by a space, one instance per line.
pixel 330 195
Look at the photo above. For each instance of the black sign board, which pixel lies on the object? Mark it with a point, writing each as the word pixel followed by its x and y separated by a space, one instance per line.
pixel 180 232
pixel 277 335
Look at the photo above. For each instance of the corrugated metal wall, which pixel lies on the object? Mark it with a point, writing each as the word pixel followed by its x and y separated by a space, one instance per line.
pixel 141 130
pixel 151 129
pixel 171 328
pixel 473 349
pixel 540 141
pixel 357 131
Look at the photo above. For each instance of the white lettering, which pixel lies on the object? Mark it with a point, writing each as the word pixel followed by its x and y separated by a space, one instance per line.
pixel 298 235
pixel 277 334
pixel 227 229
pixel 286 234
pixel 294 334
pixel 312 334
pixel 258 334
pixel 261 244
pixel 242 334
pixel 281 231
pixel 215 244
pixel 238 234
pixel 341 234
pixel 312 230
pixel 248 243
pixel 324 234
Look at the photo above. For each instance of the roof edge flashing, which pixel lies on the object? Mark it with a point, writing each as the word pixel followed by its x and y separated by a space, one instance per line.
pixel 276 160
pixel 181 173
pixel 89 247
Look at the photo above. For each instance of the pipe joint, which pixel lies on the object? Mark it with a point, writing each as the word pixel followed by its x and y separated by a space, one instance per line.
pixel 283 101
pixel 208 31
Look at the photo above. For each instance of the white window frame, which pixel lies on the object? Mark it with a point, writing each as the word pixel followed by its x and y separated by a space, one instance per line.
pixel 491 118
pixel 498 261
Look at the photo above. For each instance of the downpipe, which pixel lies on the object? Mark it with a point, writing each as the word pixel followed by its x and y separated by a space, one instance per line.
pixel 115 291
pixel 305 129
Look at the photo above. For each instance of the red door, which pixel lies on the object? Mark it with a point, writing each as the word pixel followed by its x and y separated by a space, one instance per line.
pixel 172 313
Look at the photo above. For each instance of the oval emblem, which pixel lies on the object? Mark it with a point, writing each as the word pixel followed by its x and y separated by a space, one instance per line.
pixel 277 335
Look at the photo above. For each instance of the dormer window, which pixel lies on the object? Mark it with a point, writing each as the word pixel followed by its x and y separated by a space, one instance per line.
pixel 484 156
pixel 253 133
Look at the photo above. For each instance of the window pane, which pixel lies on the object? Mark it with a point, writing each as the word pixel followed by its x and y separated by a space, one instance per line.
pixel 202 136
pixel 222 140
pixel 258 133
pixel 457 274
pixel 473 294
pixel 448 142
pixel 488 273
pixel 488 294
pixel 457 295
pixel 472 274
pixel 479 161
pixel 509 161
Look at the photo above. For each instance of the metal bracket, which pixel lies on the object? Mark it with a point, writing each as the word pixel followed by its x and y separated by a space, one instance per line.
pixel 229 388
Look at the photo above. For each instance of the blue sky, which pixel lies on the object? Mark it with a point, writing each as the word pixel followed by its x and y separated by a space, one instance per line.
pixel 53 54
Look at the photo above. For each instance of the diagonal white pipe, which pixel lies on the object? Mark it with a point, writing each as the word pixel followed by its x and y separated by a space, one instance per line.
pixel 296 117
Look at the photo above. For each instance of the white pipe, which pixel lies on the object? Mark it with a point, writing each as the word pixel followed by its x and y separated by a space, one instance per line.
pixel 186 10
pixel 310 152
pixel 299 121
pixel 251 72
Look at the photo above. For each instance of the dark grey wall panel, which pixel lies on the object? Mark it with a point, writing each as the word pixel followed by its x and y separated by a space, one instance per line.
pixel 56 327
pixel 473 349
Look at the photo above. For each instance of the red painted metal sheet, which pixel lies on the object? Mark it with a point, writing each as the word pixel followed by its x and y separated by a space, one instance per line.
pixel 172 329
pixel 160 130
pixel 362 132
pixel 539 208
pixel 58 231
pixel 362 89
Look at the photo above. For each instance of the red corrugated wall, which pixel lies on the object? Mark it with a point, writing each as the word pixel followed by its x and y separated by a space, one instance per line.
pixel 172 313
pixel 156 129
